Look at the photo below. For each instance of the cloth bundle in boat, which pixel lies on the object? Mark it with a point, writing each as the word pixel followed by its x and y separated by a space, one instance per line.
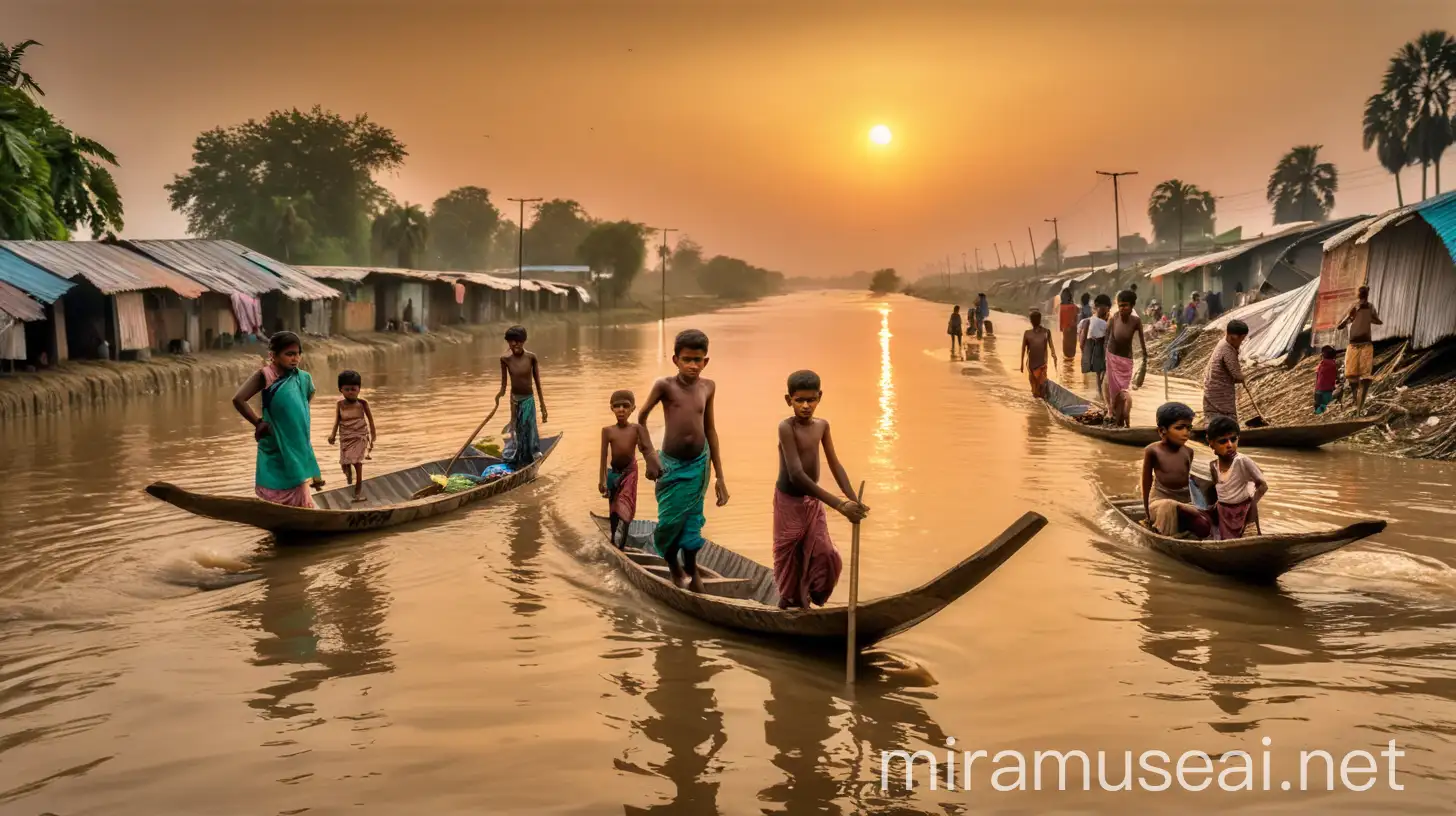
pixel 680 491
pixel 806 565
pixel 286 462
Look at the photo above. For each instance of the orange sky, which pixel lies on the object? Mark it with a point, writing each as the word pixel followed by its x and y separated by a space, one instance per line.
pixel 744 124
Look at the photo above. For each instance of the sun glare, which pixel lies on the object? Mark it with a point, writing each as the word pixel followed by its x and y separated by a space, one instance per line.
pixel 880 134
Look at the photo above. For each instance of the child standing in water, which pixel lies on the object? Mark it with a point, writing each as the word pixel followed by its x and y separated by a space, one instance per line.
pixel 1036 344
pixel 1167 464
pixel 620 443
pixel 806 565
pixel 354 428
pixel 1238 481
pixel 519 370
pixel 286 465
pixel 689 443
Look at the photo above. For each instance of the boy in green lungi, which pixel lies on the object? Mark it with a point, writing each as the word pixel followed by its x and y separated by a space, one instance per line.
pixel 689 443
pixel 519 372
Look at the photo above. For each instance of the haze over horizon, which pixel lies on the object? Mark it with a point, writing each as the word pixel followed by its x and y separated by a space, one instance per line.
pixel 746 128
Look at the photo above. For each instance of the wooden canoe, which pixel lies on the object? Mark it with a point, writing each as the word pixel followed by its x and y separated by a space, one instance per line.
pixel 739 593
pixel 387 499
pixel 1064 406
pixel 1257 558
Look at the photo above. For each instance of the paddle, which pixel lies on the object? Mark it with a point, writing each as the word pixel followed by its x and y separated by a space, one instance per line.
pixel 853 592
pixel 435 487
pixel 1257 420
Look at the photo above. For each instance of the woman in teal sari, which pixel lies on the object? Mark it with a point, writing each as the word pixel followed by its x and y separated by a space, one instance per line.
pixel 286 464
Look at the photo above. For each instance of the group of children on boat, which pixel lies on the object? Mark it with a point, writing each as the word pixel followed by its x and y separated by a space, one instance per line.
pixel 806 564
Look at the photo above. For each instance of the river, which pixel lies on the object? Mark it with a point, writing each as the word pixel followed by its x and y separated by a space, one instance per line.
pixel 492 661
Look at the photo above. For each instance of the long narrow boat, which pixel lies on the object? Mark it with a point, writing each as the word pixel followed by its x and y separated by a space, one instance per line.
pixel 387 497
pixel 1257 558
pixel 739 593
pixel 1064 408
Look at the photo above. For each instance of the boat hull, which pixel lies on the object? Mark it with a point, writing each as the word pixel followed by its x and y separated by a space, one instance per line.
pixel 746 600
pixel 387 503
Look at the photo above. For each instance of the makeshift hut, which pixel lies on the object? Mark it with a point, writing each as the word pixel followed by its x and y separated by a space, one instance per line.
pixel 26 337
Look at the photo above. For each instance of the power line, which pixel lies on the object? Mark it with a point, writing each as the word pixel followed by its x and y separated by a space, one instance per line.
pixel 1117 212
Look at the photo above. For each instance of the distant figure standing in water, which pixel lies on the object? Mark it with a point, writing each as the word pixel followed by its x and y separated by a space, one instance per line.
pixel 1067 317
pixel 806 564
pixel 520 371
pixel 954 330
pixel 983 312
pixel 689 444
pixel 354 428
pixel 1036 344
pixel 1121 329
pixel 286 464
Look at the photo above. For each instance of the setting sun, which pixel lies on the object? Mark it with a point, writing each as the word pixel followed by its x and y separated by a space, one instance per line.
pixel 880 134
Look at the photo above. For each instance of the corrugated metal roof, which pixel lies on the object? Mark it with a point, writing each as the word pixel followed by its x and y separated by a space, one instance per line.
pixel 1371 227
pixel 581 290
pixel 1441 215
pixel 490 281
pixel 31 279
pixel 16 304
pixel 215 266
pixel 553 288
pixel 359 273
pixel 1280 231
pixel 296 283
pixel 108 267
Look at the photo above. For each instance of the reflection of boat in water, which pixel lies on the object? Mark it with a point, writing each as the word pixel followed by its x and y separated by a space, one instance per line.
pixel 388 498
pixel 739 593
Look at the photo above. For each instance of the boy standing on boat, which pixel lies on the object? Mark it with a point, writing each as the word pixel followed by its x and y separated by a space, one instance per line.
pixel 689 443
pixel 1238 481
pixel 519 370
pixel 806 565
pixel 286 464
pixel 1036 344
pixel 1167 464
pixel 620 442
pixel 354 429
pixel 1121 329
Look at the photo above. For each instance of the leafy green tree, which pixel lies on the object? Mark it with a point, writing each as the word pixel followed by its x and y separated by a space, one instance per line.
pixel 462 225
pixel 1420 80
pixel 1385 129
pixel 1178 210
pixel 557 232
pixel 401 233
pixel 11 74
pixel 504 245
pixel 1302 188
pixel 238 172
pixel 885 281
pixel 734 278
pixel 618 246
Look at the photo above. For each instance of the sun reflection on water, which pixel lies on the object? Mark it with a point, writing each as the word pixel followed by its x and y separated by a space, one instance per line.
pixel 885 432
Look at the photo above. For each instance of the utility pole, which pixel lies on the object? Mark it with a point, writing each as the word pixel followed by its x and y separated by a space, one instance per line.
pixel 521 254
pixel 1180 228
pixel 663 253
pixel 1057 237
pixel 1116 213
pixel 979 269
pixel 964 269
pixel 997 247
pixel 1015 261
pixel 1032 241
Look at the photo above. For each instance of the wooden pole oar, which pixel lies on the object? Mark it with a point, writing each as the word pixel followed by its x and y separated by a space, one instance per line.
pixel 435 487
pixel 1257 420
pixel 853 592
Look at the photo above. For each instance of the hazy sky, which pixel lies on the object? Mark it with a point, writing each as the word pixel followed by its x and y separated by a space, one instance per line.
pixel 744 124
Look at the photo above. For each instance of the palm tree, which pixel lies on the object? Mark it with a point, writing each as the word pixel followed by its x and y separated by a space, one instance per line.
pixel 1420 82
pixel 403 230
pixel 10 74
pixel 1385 130
pixel 1302 188
pixel 1174 206
pixel 82 188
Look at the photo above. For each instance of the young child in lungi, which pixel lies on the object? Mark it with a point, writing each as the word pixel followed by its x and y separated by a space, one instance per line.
pixel 1121 328
pixel 689 443
pixel 620 443
pixel 806 565
pixel 1239 482
pixel 519 370
pixel 354 428
pixel 1036 344
pixel 1167 464
pixel 1093 333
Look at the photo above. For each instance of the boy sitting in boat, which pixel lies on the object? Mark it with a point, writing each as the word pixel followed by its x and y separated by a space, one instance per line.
pixel 806 565
pixel 1036 345
pixel 1237 480
pixel 621 442
pixel 1167 465
pixel 689 443
pixel 519 369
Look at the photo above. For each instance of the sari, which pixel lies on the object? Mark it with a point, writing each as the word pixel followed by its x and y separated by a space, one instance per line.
pixel 286 462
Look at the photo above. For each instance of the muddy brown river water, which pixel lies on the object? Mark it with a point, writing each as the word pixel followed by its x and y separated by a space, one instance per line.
pixel 492 662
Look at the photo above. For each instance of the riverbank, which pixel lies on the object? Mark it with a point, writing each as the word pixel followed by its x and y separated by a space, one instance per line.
pixel 80 383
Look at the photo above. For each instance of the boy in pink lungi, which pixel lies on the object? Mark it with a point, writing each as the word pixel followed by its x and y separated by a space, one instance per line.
pixel 1121 329
pixel 620 443
pixel 806 565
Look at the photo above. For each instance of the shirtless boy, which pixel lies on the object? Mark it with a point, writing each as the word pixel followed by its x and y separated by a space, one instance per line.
pixel 1036 344
pixel 689 443
pixel 806 565
pixel 1121 329
pixel 1167 500
pixel 519 370
pixel 620 443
